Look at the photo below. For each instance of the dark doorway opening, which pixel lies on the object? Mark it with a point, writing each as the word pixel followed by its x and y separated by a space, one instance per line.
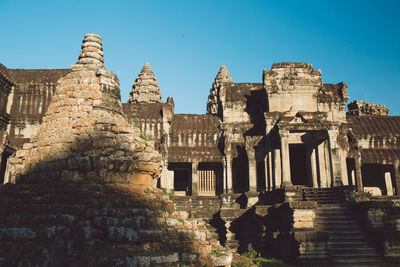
pixel 351 166
pixel 240 171
pixel 298 167
pixel 373 175
pixel 261 186
pixel 3 166
pixel 182 176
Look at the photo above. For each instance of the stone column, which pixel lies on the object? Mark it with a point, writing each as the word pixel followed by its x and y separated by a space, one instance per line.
pixel 358 173
pixel 268 171
pixel 228 174
pixel 396 166
pixel 388 182
pixel 353 177
pixel 335 158
pixel 314 174
pixel 322 165
pixel 252 170
pixel 277 173
pixel 343 166
pixel 286 180
pixel 195 178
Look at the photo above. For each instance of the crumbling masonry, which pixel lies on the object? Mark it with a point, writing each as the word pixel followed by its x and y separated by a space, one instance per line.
pixel 284 141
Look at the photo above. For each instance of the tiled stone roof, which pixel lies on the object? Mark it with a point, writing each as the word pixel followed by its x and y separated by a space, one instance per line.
pixel 192 123
pixel 374 125
pixel 380 155
pixel 30 76
pixel 143 111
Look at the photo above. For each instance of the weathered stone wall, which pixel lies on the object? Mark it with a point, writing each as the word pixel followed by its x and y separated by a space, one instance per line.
pixel 85 186
pixel 382 220
pixel 75 224
pixel 5 90
pixel 360 108
pixel 83 135
pixel 292 87
pixel 30 98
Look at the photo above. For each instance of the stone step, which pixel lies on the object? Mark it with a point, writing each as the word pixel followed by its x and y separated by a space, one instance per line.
pixel 337 225
pixel 353 245
pixel 335 217
pixel 355 258
pixel 344 234
pixel 328 219
pixel 355 250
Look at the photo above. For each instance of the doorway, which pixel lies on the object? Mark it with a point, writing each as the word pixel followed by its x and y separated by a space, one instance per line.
pixel 182 176
pixel 298 165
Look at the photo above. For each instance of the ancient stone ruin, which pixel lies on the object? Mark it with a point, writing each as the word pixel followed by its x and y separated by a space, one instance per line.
pixel 145 88
pixel 277 165
pixel 84 191
pixel 360 108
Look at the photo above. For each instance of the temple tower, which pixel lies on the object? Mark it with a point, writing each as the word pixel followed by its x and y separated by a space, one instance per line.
pixel 145 88
pixel 222 77
pixel 84 135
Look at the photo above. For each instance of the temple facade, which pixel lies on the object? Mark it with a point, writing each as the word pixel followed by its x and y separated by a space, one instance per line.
pixel 291 129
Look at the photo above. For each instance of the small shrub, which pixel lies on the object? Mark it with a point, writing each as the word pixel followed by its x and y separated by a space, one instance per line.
pixel 172 195
pixel 143 137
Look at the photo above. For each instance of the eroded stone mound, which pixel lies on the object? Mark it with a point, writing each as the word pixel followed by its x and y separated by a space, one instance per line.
pixel 84 192
pixel 73 224
pixel 83 135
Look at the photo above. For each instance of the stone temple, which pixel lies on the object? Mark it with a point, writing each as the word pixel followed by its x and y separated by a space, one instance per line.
pixel 279 164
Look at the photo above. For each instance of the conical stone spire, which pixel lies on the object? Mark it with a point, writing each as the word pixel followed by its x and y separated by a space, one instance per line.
pixel 83 135
pixel 91 55
pixel 145 89
pixel 223 76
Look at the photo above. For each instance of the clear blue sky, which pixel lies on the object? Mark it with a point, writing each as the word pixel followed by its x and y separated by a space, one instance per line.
pixel 186 42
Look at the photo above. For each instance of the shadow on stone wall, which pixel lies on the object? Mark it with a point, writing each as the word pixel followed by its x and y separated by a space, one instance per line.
pixel 256 105
pixel 268 229
pixel 380 221
pixel 47 221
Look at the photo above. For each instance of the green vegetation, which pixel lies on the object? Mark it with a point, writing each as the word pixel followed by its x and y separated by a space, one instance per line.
pixel 172 195
pixel 250 259
pixel 163 207
pixel 143 137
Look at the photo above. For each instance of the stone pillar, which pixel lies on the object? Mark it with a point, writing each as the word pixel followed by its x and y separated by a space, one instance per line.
pixel 358 173
pixel 396 166
pixel 314 174
pixel 335 158
pixel 388 182
pixel 277 173
pixel 252 170
pixel 228 174
pixel 343 165
pixel 322 165
pixel 167 177
pixel 268 171
pixel 195 178
pixel 353 177
pixel 285 159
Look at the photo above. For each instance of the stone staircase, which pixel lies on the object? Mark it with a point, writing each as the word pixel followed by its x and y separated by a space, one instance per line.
pixel 348 243
pixel 324 195
pixel 202 208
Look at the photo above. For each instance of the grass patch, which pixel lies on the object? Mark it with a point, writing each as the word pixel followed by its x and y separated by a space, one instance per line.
pixel 143 137
pixel 250 259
